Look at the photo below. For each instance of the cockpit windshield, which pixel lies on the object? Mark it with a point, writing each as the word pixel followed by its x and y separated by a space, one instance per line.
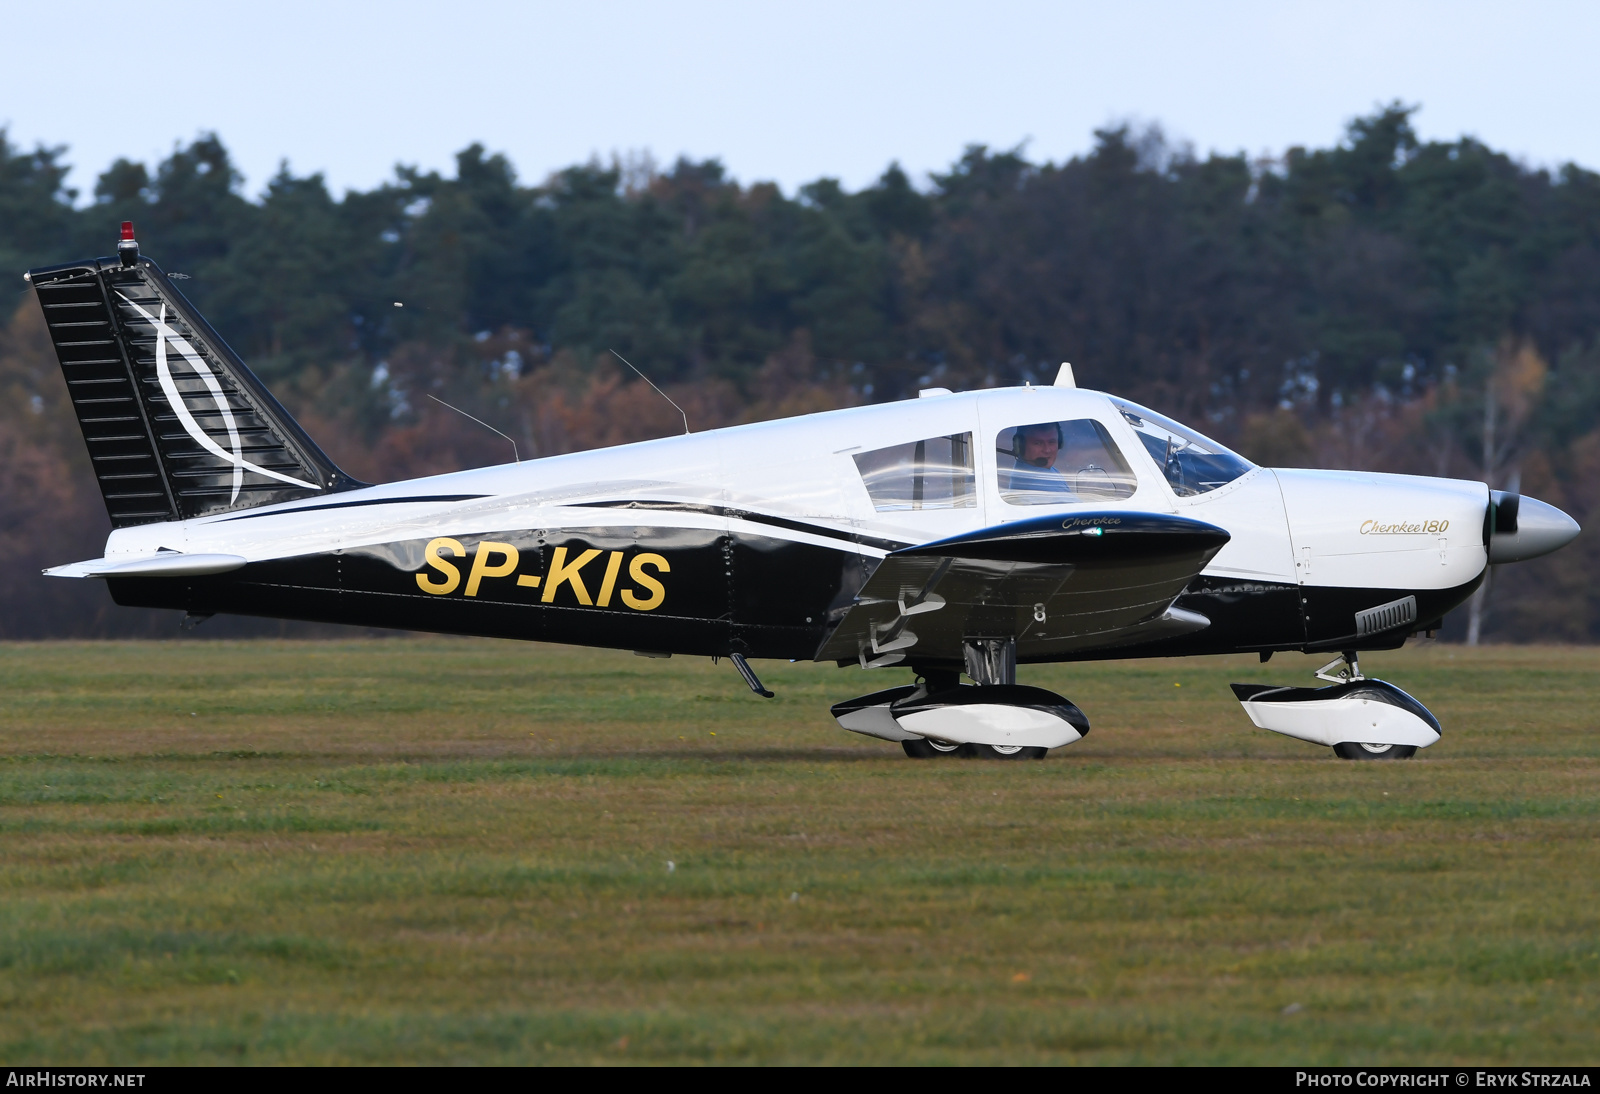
pixel 1192 462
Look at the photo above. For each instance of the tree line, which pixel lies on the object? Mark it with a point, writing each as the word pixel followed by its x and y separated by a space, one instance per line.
pixel 1382 304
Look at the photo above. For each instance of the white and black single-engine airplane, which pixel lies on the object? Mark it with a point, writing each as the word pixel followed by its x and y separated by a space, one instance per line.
pixel 955 533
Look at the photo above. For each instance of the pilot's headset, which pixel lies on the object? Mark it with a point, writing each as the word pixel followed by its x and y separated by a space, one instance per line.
pixel 1019 442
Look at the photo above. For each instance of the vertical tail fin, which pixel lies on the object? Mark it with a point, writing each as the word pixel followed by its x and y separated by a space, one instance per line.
pixel 177 425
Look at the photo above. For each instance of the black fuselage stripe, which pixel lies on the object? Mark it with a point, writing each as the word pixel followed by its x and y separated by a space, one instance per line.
pixel 358 504
pixel 754 518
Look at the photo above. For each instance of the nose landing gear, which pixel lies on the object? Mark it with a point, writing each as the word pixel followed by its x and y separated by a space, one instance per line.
pixel 1359 718
pixel 1351 750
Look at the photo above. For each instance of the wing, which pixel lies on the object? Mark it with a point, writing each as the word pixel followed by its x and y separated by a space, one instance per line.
pixel 1058 585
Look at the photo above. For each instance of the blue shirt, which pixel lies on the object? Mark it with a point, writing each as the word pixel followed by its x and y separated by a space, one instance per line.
pixel 1039 480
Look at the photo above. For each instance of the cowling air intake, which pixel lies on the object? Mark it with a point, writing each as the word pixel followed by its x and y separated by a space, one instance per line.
pixel 177 425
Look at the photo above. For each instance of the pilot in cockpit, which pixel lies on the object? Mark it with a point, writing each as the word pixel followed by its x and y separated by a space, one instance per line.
pixel 1034 449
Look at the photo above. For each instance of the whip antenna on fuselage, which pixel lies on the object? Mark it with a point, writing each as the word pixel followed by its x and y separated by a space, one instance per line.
pixel 481 422
pixel 657 390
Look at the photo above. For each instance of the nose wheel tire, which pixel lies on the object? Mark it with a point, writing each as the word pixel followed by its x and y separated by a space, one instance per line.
pixel 1007 752
pixel 924 749
pixel 1353 750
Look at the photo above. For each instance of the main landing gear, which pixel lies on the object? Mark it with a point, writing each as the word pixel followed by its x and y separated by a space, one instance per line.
pixel 920 748
pixel 1359 718
pixel 995 718
pixel 1350 750
pixel 926 748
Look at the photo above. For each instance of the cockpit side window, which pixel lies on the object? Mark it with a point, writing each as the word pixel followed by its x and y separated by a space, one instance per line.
pixel 935 473
pixel 1192 462
pixel 1060 463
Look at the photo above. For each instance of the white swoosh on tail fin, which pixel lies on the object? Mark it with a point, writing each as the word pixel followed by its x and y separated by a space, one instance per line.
pixel 181 409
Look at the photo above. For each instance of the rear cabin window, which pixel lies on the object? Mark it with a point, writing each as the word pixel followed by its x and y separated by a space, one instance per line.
pixel 935 473
pixel 1192 462
pixel 1059 463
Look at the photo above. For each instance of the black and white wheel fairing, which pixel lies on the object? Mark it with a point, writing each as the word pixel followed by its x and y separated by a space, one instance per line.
pixel 1363 719
pixel 997 722
pixel 1008 720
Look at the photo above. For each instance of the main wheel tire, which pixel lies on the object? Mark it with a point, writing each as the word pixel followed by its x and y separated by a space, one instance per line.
pixel 924 749
pixel 1008 752
pixel 1354 750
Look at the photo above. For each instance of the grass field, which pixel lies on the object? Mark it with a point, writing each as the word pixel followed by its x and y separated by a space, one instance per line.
pixel 460 851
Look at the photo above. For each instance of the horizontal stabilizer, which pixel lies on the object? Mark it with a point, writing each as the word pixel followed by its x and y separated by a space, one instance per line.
pixel 166 564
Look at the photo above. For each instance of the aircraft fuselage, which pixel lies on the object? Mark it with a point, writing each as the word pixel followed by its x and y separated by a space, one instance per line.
pixel 758 539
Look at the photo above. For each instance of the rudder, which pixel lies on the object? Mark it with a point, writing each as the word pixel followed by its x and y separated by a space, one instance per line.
pixel 176 424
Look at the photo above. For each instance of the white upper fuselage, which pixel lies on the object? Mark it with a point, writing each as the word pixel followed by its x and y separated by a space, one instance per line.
pixel 1321 528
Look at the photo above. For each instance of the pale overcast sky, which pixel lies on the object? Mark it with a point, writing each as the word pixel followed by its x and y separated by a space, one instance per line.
pixel 783 92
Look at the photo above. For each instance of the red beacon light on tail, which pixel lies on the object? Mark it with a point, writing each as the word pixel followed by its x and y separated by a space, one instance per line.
pixel 128 247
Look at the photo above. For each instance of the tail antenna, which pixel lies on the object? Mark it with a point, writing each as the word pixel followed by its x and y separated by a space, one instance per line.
pixel 657 390
pixel 481 422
